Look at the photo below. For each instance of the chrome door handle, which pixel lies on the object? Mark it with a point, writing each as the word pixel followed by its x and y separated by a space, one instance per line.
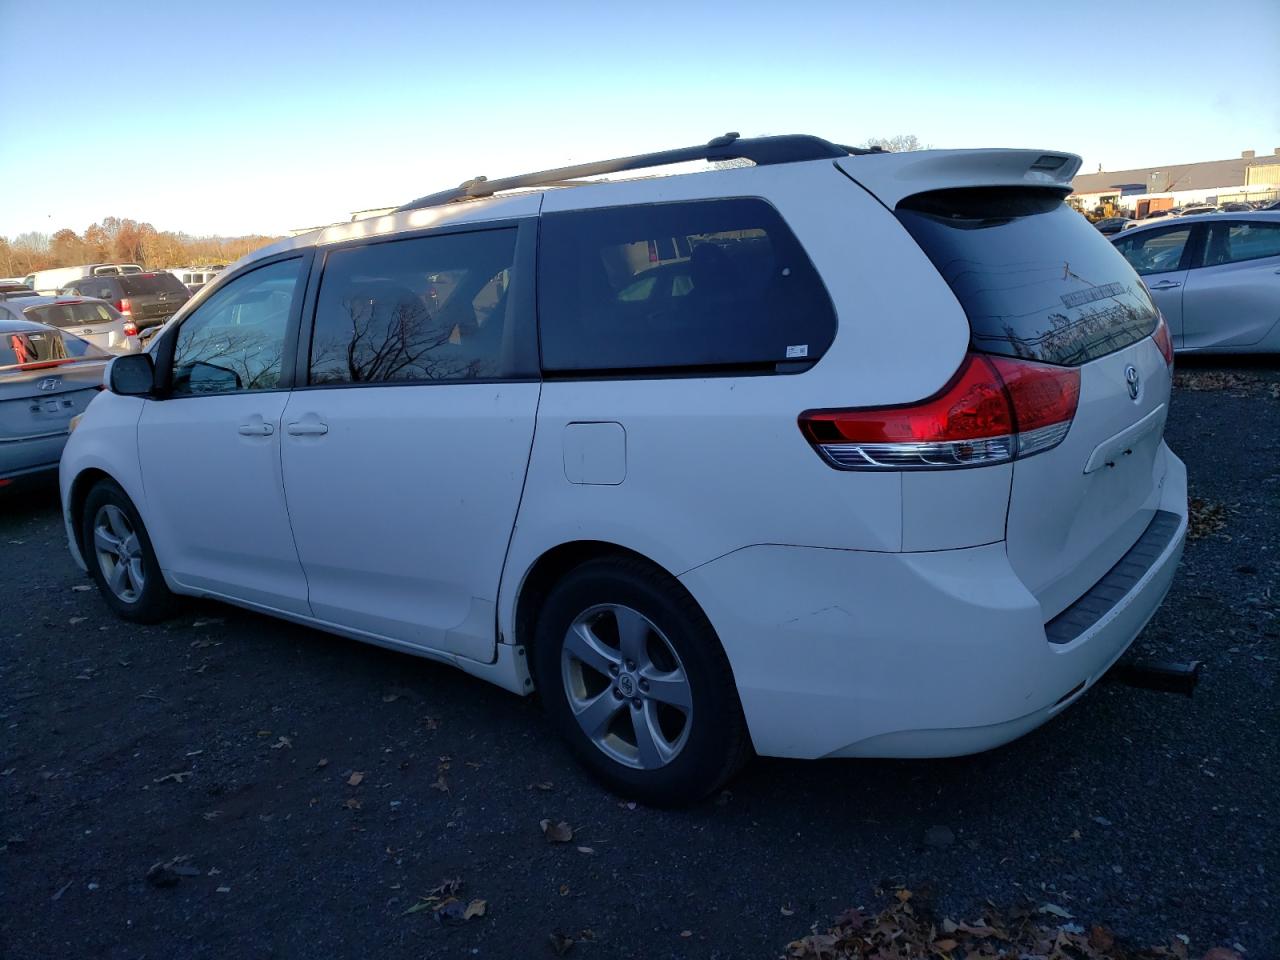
pixel 304 428
pixel 1166 285
pixel 256 429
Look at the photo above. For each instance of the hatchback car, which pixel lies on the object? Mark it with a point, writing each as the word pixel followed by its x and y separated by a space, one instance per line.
pixel 1216 279
pixel 47 376
pixel 864 472
pixel 93 320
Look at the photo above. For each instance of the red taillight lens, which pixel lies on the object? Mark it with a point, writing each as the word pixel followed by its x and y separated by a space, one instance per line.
pixel 123 306
pixel 130 329
pixel 993 410
pixel 1163 340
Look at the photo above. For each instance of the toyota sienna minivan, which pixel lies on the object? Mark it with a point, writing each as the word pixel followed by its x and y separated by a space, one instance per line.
pixel 841 453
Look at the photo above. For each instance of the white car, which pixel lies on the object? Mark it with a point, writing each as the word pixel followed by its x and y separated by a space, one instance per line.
pixel 874 467
pixel 1215 277
pixel 88 318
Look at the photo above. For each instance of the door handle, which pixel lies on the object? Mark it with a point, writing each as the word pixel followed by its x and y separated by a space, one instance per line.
pixel 256 429
pixel 1166 285
pixel 308 428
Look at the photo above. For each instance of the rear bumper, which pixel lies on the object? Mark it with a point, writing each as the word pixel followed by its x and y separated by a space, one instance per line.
pixel 847 653
pixel 30 455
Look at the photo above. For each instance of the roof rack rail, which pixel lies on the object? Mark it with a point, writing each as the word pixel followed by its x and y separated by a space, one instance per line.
pixel 760 150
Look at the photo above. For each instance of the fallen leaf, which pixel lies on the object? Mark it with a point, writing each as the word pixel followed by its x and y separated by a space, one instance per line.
pixel 903 896
pixel 561 944
pixel 353 804
pixel 1221 953
pixel 224 890
pixel 556 832
pixel 1075 834
pixel 322 762
pixel 207 623
pixel 74 620
pixel 475 908
pixel 587 850
pixel 1100 938
pixel 946 946
pixel 788 912
pixel 440 783
pixel 686 934
pixel 564 889
pixel 82 588
pixel 355 779
pixel 544 785
pixel 1055 910
pixel 178 777
pixel 390 697
pixel 282 742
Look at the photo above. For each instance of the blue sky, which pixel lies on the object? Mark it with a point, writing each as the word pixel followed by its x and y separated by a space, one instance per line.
pixel 258 117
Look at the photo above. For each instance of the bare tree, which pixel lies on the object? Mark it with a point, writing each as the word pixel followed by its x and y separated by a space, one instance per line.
pixel 901 143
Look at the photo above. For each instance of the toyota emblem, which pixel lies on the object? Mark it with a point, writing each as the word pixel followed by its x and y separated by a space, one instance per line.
pixel 1132 380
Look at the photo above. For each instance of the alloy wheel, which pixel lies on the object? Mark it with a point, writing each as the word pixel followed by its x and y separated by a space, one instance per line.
pixel 119 553
pixel 626 686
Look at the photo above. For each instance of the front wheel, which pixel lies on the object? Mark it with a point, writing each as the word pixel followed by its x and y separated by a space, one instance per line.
pixel 120 558
pixel 633 675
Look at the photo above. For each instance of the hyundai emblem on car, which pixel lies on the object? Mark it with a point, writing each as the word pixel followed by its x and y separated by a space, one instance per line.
pixel 50 383
pixel 1131 377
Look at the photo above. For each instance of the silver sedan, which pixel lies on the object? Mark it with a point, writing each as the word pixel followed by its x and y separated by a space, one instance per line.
pixel 47 376
pixel 1215 277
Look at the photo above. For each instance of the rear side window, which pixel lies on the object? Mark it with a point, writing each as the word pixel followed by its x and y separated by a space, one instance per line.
pixel 678 286
pixel 104 288
pixel 1035 278
pixel 424 309
pixel 70 314
pixel 138 285
pixel 1244 240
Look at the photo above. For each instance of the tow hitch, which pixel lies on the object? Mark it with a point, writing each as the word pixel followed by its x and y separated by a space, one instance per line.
pixel 1158 675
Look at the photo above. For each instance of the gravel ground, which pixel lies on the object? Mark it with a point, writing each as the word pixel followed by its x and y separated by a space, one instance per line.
pixel 231 740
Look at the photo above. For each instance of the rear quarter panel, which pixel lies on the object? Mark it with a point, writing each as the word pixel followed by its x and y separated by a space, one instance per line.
pixel 716 464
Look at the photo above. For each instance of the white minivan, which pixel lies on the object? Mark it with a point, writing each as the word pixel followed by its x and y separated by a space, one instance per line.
pixel 837 454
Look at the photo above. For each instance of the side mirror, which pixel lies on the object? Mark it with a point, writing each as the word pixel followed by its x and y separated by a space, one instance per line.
pixel 132 375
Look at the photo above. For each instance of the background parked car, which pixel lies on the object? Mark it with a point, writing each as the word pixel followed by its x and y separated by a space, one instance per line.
pixel 1198 210
pixel 1110 225
pixel 148 299
pixel 93 320
pixel 193 278
pixel 1214 278
pixel 50 281
pixel 47 376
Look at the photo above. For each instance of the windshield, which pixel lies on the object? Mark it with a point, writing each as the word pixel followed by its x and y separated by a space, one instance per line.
pixel 1035 278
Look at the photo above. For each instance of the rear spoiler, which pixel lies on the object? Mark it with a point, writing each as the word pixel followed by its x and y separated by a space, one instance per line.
pixel 891 177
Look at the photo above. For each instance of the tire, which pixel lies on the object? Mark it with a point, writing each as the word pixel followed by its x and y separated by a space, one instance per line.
pixel 110 508
pixel 663 726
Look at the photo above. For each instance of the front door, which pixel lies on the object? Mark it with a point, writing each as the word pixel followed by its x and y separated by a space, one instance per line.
pixel 1233 300
pixel 1160 258
pixel 210 449
pixel 405 456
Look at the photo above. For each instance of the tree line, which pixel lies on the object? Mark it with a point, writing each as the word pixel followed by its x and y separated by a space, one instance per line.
pixel 116 240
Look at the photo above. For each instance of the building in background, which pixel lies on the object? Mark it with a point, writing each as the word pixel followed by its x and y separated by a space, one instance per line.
pixel 1138 192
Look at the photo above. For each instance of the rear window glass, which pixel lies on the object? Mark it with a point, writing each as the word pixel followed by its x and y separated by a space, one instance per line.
pixel 37 346
pixel 1035 278
pixel 104 288
pixel 702 285
pixel 70 314
pixel 151 283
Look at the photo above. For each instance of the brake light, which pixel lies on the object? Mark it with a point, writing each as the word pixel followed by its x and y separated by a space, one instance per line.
pixel 130 328
pixel 994 410
pixel 123 306
pixel 1164 341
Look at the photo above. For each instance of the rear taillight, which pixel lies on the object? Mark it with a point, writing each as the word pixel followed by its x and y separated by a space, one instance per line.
pixel 995 409
pixel 123 306
pixel 1163 340
pixel 130 328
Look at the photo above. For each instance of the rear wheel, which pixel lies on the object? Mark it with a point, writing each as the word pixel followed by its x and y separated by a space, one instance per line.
pixel 634 678
pixel 120 558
